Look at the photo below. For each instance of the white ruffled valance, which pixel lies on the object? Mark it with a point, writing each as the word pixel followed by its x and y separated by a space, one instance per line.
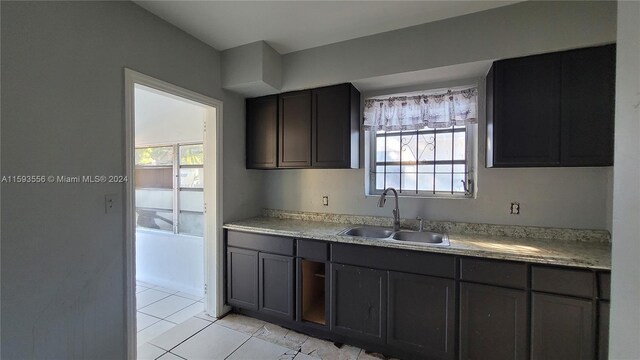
pixel 437 110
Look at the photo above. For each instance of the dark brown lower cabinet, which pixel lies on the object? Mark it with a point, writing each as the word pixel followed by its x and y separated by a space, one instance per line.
pixel 359 302
pixel 603 330
pixel 242 280
pixel 421 315
pixel 493 322
pixel 417 306
pixel 561 328
pixel 276 280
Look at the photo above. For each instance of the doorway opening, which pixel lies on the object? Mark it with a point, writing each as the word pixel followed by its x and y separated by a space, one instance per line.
pixel 174 197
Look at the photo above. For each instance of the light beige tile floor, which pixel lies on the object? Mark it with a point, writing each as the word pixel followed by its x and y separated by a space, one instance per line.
pixel 172 325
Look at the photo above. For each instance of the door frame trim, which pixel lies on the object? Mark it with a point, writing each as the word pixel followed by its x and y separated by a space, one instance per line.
pixel 213 235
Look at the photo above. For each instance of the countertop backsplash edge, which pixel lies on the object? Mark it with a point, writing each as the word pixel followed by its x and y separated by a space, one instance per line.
pixel 451 227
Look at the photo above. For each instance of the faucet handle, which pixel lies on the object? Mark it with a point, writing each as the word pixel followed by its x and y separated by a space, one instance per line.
pixel 420 227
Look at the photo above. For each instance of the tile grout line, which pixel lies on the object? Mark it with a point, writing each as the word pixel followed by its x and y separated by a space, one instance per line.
pixel 169 352
pixel 184 297
pixel 190 336
pixel 159 319
pixel 238 347
pixel 165 318
pixel 152 302
pixel 140 310
pixel 242 332
pixel 204 314
pixel 159 287
pixel 148 343
pixel 193 302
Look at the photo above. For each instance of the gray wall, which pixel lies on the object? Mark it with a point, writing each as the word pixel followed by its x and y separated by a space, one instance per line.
pixel 521 29
pixel 568 197
pixel 625 299
pixel 63 114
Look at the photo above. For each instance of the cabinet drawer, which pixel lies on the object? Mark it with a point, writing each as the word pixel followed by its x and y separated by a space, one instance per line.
pixel 266 243
pixel 561 281
pixel 502 273
pixel 313 250
pixel 397 260
pixel 604 286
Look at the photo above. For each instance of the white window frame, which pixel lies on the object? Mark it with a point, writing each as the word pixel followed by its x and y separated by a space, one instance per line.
pixel 471 150
pixel 175 188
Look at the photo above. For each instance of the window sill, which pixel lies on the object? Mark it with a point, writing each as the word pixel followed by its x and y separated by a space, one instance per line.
pixel 440 197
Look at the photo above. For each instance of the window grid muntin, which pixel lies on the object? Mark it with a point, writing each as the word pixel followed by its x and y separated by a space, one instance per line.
pixel 451 192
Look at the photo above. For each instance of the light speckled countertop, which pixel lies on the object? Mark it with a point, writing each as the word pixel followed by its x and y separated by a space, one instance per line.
pixel 584 254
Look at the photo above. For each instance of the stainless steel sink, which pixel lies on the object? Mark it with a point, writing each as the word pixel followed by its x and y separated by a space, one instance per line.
pixel 423 237
pixel 368 231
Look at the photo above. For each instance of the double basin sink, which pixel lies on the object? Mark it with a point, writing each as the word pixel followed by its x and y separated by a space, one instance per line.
pixel 422 237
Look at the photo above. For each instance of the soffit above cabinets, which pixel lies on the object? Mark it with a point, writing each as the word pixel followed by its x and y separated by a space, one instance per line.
pixel 444 74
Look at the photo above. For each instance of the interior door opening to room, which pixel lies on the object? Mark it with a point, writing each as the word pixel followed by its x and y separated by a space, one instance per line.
pixel 173 204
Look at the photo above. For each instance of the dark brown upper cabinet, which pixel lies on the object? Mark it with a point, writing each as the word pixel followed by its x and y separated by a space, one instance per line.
pixel 526 111
pixel 588 98
pixel 262 129
pixel 316 128
pixel 552 109
pixel 336 126
pixel 294 122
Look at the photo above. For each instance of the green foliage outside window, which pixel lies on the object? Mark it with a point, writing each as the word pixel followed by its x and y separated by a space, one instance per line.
pixel 154 156
pixel 191 154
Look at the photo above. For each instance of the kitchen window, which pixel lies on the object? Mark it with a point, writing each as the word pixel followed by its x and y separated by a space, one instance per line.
pixel 419 157
pixel 169 182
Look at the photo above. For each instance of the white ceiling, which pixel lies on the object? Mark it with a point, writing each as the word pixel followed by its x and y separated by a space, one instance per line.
pixel 296 25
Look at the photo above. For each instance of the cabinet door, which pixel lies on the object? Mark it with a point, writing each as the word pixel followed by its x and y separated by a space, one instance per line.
pixel 335 126
pixel 262 130
pixel 561 328
pixel 493 322
pixel 421 315
pixel 242 278
pixel 603 330
pixel 588 91
pixel 276 280
pixel 526 112
pixel 359 302
pixel 295 129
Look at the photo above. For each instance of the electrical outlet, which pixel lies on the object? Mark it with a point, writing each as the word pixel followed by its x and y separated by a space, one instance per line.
pixel 325 200
pixel 111 203
pixel 515 208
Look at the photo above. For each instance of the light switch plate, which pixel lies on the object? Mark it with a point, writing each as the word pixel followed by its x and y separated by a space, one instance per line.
pixel 325 200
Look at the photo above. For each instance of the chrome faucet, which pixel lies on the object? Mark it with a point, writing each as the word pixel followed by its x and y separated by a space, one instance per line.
pixel 396 211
